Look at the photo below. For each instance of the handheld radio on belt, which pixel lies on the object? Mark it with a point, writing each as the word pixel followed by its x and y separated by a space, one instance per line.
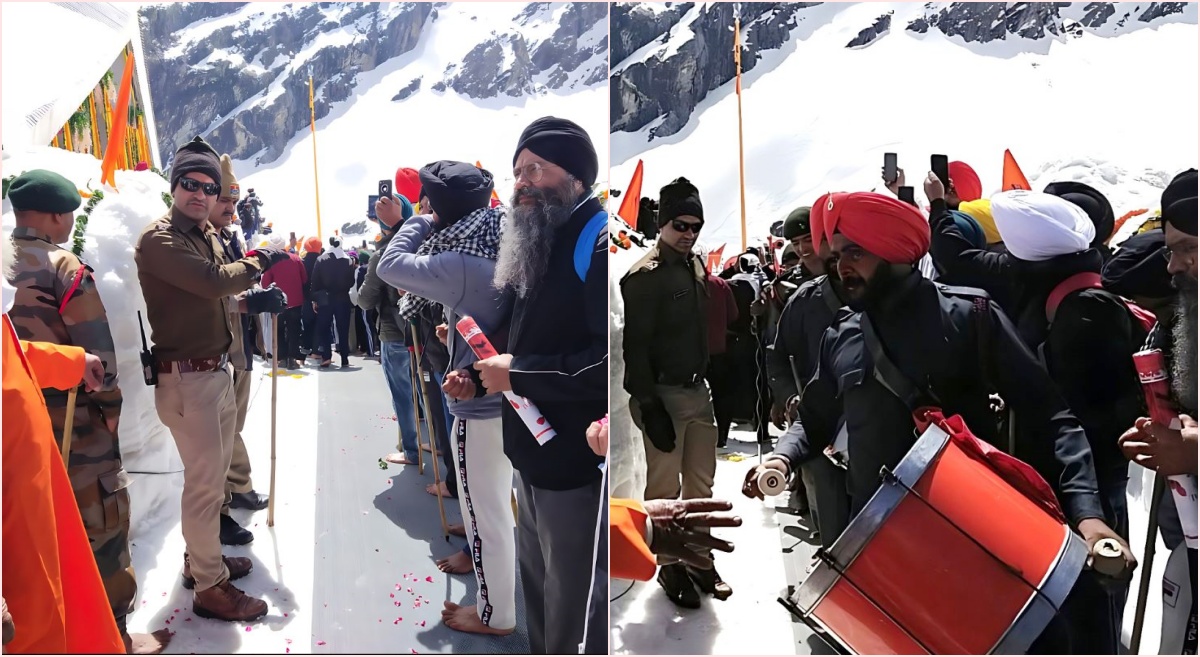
pixel 149 366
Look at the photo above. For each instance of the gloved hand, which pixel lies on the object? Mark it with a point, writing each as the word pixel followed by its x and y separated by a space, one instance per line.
pixel 674 524
pixel 657 424
pixel 268 256
pixel 271 300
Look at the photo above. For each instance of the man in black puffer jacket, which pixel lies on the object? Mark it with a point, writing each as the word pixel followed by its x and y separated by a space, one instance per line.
pixel 332 279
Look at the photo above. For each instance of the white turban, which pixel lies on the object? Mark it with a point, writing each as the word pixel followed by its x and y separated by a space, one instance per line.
pixel 1037 226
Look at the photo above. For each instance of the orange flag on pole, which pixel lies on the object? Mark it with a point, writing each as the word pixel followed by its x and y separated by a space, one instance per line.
pixel 633 198
pixel 714 260
pixel 116 138
pixel 1013 178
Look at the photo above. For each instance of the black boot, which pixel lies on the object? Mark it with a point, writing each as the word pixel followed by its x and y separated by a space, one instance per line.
pixel 675 582
pixel 232 533
pixel 252 501
pixel 710 582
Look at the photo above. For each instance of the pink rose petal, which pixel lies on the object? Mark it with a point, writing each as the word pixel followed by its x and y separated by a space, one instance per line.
pixel 247 628
pixel 320 643
pixel 429 579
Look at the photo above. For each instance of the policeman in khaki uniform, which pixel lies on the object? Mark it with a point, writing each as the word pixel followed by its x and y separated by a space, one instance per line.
pixel 187 280
pixel 57 301
pixel 239 489
pixel 666 357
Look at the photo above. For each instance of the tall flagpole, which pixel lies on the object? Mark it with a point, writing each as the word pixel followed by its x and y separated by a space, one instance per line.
pixel 313 117
pixel 737 60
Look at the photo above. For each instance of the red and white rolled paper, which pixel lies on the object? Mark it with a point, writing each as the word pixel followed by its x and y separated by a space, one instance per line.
pixel 1152 371
pixel 529 414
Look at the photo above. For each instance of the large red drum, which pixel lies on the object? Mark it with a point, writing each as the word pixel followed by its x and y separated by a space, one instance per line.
pixel 946 558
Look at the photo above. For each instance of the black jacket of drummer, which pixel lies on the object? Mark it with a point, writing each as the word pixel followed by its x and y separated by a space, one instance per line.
pixel 935 336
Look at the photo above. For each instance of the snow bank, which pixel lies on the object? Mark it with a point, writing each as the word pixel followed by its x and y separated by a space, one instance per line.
pixel 113 228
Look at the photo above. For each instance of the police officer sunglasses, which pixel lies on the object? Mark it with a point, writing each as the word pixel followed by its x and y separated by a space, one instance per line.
pixel 191 185
pixel 685 227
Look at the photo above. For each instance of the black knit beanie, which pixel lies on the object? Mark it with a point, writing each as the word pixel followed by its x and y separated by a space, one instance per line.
pixel 196 156
pixel 679 198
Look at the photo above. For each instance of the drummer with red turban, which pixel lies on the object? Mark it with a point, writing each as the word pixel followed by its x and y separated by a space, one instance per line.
pixel 909 343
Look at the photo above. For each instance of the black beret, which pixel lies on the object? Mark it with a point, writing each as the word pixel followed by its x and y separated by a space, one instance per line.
pixel 196 156
pixel 564 143
pixel 44 191
pixel 1097 207
pixel 1179 202
pixel 679 198
pixel 455 189
pixel 797 223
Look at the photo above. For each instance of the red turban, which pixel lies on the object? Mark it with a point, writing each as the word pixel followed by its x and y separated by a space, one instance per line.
pixel 966 181
pixel 408 184
pixel 884 226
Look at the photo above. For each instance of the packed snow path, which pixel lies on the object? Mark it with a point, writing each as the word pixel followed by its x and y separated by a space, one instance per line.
pixel 349 564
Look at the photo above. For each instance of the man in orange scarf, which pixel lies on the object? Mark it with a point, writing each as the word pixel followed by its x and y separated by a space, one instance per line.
pixel 51 584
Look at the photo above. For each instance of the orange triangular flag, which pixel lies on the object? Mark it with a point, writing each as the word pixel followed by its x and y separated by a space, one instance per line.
pixel 116 139
pixel 633 198
pixel 714 260
pixel 1013 178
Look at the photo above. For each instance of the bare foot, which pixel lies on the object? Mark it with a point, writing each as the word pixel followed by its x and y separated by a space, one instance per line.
pixel 427 448
pixel 458 530
pixel 399 459
pixel 438 489
pixel 466 619
pixel 455 564
pixel 147 644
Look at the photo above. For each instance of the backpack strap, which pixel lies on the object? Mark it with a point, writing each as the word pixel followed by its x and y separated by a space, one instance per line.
pixel 586 243
pixel 888 374
pixel 830 297
pixel 1080 281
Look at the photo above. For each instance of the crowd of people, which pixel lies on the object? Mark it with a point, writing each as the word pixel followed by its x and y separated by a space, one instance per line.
pixel 531 276
pixel 1015 313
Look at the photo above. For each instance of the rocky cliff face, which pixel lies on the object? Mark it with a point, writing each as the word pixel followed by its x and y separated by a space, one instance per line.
pixel 237 73
pixel 667 58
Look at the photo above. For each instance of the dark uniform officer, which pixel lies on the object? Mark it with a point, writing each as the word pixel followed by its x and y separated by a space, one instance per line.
pixel 666 357
pixel 57 301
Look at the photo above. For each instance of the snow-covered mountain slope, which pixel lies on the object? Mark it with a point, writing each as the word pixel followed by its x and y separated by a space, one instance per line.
pixel 397 84
pixel 1114 106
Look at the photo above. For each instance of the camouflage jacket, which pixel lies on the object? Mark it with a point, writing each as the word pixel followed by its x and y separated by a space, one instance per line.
pixel 57 301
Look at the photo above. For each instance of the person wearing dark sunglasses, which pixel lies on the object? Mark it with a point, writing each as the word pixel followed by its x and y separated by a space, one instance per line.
pixel 187 281
pixel 666 358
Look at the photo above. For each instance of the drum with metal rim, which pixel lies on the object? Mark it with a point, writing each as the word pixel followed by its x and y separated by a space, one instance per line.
pixel 945 558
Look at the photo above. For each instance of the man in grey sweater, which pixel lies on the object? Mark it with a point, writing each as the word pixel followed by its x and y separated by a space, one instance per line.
pixel 449 257
pixel 378 295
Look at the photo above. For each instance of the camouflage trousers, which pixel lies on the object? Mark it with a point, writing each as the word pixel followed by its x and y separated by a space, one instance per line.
pixel 101 490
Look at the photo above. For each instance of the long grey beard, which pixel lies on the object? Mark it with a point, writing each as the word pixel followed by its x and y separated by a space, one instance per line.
pixel 1183 351
pixel 528 240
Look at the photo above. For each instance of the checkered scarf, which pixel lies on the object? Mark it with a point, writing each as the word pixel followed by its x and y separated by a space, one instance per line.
pixel 477 234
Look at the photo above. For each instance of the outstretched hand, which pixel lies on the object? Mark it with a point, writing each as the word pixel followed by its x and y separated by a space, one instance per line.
pixel 675 523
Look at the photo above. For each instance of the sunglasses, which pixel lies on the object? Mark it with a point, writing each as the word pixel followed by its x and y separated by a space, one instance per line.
pixel 532 172
pixel 685 227
pixel 191 185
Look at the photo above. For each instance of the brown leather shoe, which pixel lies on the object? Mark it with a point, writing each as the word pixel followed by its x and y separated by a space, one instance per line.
pixel 227 602
pixel 238 568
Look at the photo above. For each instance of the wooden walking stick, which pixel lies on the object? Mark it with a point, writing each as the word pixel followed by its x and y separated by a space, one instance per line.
pixel 69 427
pixel 274 394
pixel 413 371
pixel 1139 615
pixel 437 477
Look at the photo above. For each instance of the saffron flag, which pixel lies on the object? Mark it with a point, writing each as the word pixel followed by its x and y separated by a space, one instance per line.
pixel 1013 178
pixel 633 197
pixel 714 260
pixel 116 136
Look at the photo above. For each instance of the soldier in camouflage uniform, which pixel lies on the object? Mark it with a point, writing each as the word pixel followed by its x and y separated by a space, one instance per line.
pixel 57 301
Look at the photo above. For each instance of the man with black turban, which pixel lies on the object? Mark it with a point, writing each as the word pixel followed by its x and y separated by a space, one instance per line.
pixel 554 257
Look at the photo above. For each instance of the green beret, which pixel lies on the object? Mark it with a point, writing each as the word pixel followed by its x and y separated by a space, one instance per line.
pixel 796 223
pixel 44 191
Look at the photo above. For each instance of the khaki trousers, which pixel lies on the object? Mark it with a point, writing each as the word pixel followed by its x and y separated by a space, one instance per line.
pixel 200 409
pixel 687 471
pixel 238 479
